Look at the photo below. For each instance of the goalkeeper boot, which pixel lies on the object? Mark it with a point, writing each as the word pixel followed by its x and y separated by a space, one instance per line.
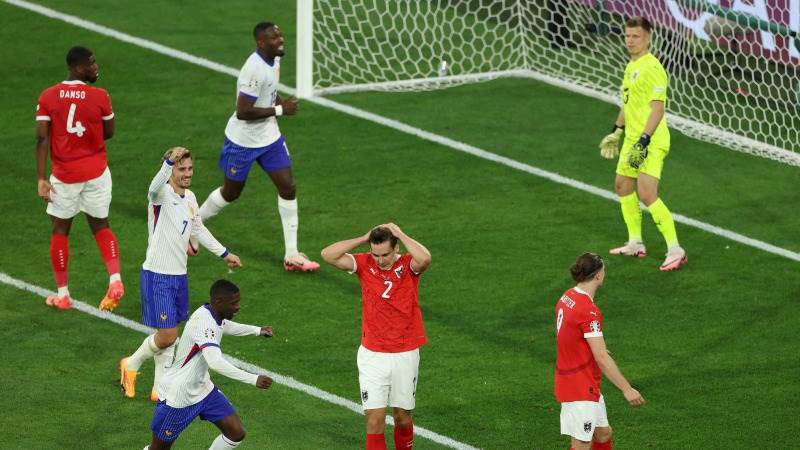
pixel 631 248
pixel 113 296
pixel 59 302
pixel 299 261
pixel 127 379
pixel 676 257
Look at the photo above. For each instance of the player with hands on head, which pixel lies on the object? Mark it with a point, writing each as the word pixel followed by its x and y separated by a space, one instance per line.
pixel 646 145
pixel 391 326
pixel 186 390
pixel 582 358
pixel 172 219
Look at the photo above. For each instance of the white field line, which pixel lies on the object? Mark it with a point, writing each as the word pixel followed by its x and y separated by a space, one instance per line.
pixel 400 126
pixel 252 368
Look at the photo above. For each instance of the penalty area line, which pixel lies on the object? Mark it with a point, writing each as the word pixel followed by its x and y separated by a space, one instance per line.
pixel 252 368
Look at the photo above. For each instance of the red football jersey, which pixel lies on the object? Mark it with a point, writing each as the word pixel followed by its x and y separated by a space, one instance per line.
pixel 76 113
pixel 391 320
pixel 577 375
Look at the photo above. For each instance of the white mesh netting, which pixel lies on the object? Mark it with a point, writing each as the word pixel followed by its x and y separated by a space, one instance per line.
pixel 733 70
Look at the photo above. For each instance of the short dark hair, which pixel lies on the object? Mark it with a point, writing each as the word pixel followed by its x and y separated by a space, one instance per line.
pixel 78 55
pixel 379 235
pixel 639 21
pixel 261 26
pixel 222 289
pixel 587 265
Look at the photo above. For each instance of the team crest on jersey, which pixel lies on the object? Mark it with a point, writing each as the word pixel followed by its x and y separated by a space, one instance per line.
pixel 163 317
pixel 168 432
pixel 399 271
pixel 209 333
pixel 372 271
pixel 595 326
pixel 587 426
pixel 233 170
pixel 364 395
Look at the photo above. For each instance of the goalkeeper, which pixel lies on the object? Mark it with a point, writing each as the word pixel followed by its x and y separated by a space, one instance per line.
pixel 646 144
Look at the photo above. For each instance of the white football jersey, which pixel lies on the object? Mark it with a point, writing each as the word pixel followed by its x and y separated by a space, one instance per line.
pixel 257 80
pixel 186 381
pixel 171 220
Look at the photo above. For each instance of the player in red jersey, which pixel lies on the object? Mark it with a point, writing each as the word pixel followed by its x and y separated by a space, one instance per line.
pixel 582 358
pixel 73 120
pixel 391 327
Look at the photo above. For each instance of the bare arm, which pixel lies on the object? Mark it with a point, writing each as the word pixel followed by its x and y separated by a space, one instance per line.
pixel 656 114
pixel 612 372
pixel 420 256
pixel 246 109
pixel 620 122
pixel 335 254
pixel 108 129
pixel 42 149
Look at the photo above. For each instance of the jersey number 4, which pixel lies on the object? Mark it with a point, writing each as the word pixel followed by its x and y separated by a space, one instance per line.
pixel 77 127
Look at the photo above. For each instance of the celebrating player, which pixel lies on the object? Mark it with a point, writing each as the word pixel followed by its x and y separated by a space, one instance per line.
pixel 187 391
pixel 73 121
pixel 646 145
pixel 252 135
pixel 582 357
pixel 172 218
pixel 391 327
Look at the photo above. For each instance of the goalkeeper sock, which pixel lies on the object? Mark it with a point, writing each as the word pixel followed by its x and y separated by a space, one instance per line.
pixel 145 351
pixel 663 219
pixel 632 213
pixel 289 218
pixel 213 204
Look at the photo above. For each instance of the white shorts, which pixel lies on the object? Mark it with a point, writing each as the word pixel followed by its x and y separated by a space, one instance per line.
pixel 388 379
pixel 579 419
pixel 92 197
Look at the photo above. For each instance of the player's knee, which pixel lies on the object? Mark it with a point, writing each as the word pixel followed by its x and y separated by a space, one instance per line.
pixel 237 434
pixel 288 192
pixel 402 417
pixel 602 434
pixel 648 196
pixel 230 194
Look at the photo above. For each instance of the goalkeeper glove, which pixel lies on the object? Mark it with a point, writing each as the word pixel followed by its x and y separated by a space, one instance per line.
pixel 639 151
pixel 609 146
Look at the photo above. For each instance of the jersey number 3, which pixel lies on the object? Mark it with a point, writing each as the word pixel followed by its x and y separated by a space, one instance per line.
pixel 77 127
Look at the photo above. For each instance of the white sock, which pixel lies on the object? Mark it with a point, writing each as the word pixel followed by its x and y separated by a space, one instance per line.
pixel 162 359
pixel 223 443
pixel 290 221
pixel 213 204
pixel 144 352
pixel 62 291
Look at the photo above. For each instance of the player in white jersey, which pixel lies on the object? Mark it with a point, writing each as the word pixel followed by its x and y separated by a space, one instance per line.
pixel 252 135
pixel 186 390
pixel 172 219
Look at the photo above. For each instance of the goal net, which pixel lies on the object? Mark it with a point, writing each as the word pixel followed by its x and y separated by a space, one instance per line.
pixel 733 64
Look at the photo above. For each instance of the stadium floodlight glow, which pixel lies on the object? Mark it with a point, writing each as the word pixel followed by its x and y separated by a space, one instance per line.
pixel 733 65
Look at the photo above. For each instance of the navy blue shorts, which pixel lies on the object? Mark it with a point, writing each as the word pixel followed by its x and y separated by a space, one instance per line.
pixel 165 299
pixel 168 422
pixel 235 161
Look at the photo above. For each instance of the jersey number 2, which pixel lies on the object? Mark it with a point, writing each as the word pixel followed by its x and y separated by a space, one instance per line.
pixel 77 128
pixel 388 288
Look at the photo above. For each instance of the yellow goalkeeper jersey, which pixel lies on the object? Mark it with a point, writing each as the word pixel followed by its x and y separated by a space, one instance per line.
pixel 645 80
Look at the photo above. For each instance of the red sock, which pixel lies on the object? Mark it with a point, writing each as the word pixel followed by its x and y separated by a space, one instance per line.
pixel 376 442
pixel 59 257
pixel 404 437
pixel 601 445
pixel 109 248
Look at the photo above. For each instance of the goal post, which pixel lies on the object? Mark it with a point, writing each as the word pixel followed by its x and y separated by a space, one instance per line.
pixel 734 66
